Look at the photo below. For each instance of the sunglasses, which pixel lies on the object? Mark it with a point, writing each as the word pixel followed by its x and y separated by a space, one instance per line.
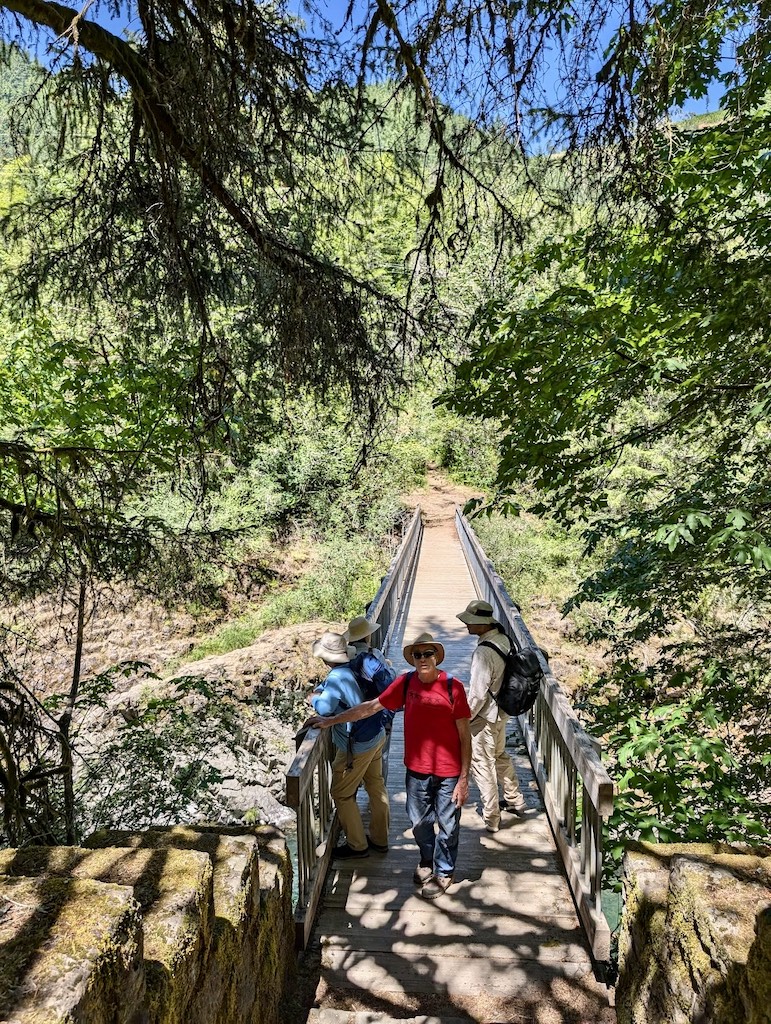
pixel 417 655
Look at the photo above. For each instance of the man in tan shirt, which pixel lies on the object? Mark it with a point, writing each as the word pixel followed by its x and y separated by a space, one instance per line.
pixel 491 766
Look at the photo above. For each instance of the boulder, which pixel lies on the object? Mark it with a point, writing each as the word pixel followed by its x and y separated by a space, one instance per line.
pixel 174 891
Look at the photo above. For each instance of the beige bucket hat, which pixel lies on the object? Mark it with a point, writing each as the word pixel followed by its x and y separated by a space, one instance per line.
pixel 478 613
pixel 427 640
pixel 360 628
pixel 332 648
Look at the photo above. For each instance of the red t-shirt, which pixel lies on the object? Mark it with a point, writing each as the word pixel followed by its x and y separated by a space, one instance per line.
pixel 431 740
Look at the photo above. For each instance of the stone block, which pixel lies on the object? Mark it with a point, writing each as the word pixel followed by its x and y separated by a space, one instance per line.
pixel 758 978
pixel 70 952
pixel 694 946
pixel 252 949
pixel 174 891
pixel 641 941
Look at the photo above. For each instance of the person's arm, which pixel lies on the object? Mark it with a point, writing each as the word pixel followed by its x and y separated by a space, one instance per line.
pixel 363 710
pixel 485 665
pixel 482 674
pixel 460 793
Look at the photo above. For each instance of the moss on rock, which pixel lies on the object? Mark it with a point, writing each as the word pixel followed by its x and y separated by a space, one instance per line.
pixel 70 950
pixel 758 973
pixel 252 952
pixel 694 942
pixel 174 890
pixel 218 933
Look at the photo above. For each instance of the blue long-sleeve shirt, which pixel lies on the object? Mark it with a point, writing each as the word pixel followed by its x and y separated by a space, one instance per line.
pixel 337 693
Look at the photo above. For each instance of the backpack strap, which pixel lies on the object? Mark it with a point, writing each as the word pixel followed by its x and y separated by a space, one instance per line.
pixel 501 654
pixel 493 647
pixel 513 642
pixel 407 678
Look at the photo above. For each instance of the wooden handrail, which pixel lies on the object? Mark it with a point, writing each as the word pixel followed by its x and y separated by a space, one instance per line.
pixel 308 777
pixel 562 755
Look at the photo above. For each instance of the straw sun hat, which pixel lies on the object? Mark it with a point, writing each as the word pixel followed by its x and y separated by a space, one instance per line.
pixel 360 628
pixel 332 648
pixel 425 639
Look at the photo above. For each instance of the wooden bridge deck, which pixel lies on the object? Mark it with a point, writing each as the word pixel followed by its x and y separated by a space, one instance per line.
pixel 504 944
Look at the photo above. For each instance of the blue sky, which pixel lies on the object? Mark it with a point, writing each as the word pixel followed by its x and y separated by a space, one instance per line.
pixel 335 11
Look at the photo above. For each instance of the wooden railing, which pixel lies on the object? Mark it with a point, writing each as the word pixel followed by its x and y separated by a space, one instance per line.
pixel 562 756
pixel 308 777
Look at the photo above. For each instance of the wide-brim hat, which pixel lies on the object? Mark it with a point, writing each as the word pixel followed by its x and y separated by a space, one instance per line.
pixel 332 647
pixel 478 613
pixel 360 628
pixel 424 638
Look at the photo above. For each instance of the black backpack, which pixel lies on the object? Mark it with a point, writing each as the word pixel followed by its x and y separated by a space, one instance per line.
pixel 522 677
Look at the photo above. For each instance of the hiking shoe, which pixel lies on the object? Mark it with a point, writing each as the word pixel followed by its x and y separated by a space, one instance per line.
pixel 519 808
pixel 377 847
pixel 423 873
pixel 346 852
pixel 436 886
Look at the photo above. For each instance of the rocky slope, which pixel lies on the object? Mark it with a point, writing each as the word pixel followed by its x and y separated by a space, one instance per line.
pixel 261 687
pixel 264 687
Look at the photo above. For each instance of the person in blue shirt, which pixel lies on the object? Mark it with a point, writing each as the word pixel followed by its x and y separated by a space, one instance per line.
pixel 358 753
pixel 359 636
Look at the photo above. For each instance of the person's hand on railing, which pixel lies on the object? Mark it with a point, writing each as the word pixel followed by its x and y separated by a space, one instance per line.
pixel 317 722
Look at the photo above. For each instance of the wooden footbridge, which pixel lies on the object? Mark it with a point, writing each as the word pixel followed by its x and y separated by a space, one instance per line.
pixel 520 936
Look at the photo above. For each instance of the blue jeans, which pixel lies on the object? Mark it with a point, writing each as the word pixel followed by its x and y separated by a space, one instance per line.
pixel 429 804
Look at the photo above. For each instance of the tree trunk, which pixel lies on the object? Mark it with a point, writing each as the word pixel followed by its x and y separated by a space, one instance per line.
pixel 66 720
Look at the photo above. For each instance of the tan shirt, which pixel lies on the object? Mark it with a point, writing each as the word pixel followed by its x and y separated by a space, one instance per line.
pixel 486 677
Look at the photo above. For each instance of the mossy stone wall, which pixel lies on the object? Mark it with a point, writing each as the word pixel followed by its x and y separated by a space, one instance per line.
pixel 158 927
pixel 695 944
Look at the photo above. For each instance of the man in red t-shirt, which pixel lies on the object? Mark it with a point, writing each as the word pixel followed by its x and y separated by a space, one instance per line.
pixel 437 755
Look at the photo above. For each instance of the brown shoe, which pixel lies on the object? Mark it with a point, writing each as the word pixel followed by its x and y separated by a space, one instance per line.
pixel 423 873
pixel 439 884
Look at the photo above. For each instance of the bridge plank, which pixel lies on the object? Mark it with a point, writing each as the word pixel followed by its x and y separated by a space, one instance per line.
pixel 452 975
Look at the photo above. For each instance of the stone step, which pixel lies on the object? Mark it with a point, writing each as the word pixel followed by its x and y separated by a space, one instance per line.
pixel 329 1016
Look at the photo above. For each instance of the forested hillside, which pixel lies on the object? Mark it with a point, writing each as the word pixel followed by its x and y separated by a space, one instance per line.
pixel 260 273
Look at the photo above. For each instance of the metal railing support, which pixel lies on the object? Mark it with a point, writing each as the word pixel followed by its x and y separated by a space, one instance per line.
pixel 563 757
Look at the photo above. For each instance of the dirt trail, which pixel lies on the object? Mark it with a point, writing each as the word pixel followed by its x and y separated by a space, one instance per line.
pixel 439 498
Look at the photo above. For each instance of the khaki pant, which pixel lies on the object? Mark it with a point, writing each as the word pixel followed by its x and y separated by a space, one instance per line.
pixel 366 767
pixel 491 765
